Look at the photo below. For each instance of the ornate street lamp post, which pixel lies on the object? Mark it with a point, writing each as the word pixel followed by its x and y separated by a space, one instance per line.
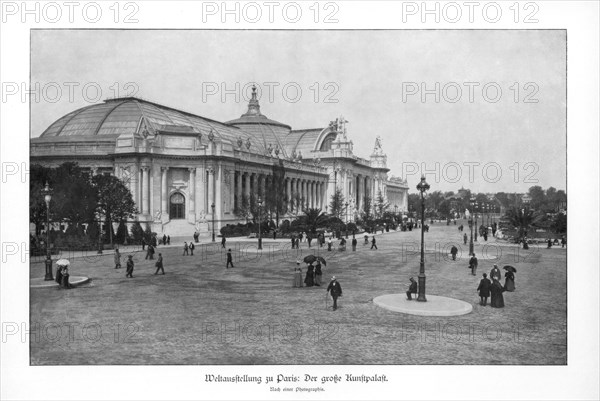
pixel 471 246
pixel 47 192
pixel 476 225
pixel 423 187
pixel 259 223
pixel 213 221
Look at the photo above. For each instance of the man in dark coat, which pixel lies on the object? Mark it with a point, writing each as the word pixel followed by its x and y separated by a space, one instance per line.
pixel 223 240
pixel 159 264
pixel 129 266
pixel 335 289
pixel 354 242
pixel 373 243
pixel 192 247
pixel 229 259
pixel 484 290
pixel 412 289
pixel 164 239
pixel 465 238
pixel 453 252
pixel 185 249
pixel 473 264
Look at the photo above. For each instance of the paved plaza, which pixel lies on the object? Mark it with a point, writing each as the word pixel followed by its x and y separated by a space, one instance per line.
pixel 201 313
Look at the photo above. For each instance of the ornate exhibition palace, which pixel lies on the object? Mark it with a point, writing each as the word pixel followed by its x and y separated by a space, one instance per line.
pixel 178 165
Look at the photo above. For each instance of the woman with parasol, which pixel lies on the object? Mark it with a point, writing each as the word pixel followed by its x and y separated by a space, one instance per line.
pixel 309 280
pixel 62 274
pixel 509 276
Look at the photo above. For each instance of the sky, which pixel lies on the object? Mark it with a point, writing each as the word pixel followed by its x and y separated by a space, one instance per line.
pixel 421 91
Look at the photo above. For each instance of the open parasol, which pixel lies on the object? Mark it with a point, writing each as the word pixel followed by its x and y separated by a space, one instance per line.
pixel 313 258
pixel 63 262
pixel 510 268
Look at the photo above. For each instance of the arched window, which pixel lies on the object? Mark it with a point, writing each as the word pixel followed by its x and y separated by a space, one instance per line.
pixel 326 144
pixel 177 208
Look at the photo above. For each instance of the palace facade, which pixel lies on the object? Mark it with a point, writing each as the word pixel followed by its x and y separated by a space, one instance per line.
pixel 183 169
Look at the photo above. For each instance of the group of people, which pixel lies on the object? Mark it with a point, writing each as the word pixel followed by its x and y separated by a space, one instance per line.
pixel 130 264
pixel 494 288
pixel 563 242
pixel 188 249
pixel 313 275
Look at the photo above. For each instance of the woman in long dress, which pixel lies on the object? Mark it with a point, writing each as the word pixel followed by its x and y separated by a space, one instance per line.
pixel 509 282
pixel 497 297
pixel 297 276
pixel 309 280
pixel 318 273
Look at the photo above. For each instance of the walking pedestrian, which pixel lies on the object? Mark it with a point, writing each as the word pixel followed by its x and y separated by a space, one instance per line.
pixel 185 249
pixel 192 247
pixel 159 264
pixel 335 289
pixel 143 244
pixel 309 280
pixel 130 265
pixel 318 274
pixel 149 252
pixel 373 243
pixel 473 264
pixel 497 297
pixel 297 276
pixel 117 259
pixel 168 240
pixel 354 242
pixel 509 281
pixel 366 240
pixel 329 243
pixel 453 252
pixel 484 290
pixel 465 238
pixel 164 239
pixel 297 243
pixel 229 259
pixel 223 240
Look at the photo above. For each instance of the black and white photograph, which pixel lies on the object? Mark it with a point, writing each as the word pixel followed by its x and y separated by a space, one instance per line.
pixel 324 200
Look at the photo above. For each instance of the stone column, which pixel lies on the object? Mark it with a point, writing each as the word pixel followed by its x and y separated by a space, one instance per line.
pixel 218 197
pixel 211 190
pixel 192 195
pixel 200 192
pixel 145 188
pixel 288 190
pixel 239 191
pixel 164 204
pixel 247 185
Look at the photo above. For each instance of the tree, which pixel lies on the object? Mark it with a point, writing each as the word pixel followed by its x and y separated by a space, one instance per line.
pixel 336 206
pixel 122 236
pixel 115 202
pixel 559 223
pixel 276 203
pixel 538 197
pixel 137 232
pixel 73 200
pixel 366 214
pixel 381 205
pixel 522 219
pixel 314 218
